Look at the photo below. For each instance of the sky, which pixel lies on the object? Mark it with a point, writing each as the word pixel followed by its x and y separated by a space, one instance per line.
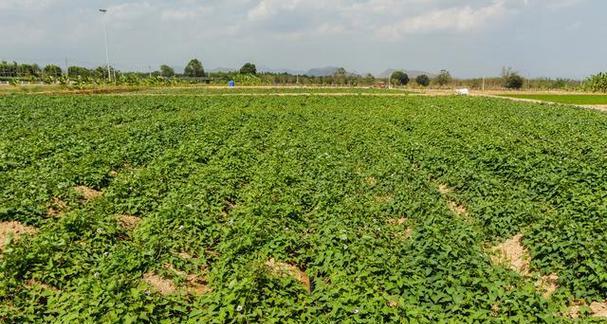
pixel 472 38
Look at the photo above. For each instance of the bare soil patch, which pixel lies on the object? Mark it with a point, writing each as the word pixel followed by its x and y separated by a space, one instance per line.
pixel 33 283
pixel 513 253
pixel 384 199
pixel 444 189
pixel 371 181
pixel 128 222
pixel 285 269
pixel 457 209
pixel 397 221
pixel 161 285
pixel 597 309
pixel 185 255
pixel 227 208
pixel 194 284
pixel 13 229
pixel 393 303
pixel 88 193
pixel 57 207
pixel 403 235
pixel 547 285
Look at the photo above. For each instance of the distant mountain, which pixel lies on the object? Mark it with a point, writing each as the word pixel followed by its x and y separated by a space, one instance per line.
pixel 411 73
pixel 265 69
pixel 325 71
pixel 222 69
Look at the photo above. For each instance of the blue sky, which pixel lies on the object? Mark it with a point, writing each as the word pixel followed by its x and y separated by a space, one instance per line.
pixel 553 38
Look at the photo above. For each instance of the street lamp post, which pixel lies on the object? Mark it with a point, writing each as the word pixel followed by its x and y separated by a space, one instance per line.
pixel 107 51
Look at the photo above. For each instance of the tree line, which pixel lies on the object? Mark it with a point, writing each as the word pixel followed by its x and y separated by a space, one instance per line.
pixel 194 72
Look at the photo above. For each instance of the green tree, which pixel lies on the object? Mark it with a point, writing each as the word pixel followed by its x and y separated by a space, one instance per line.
pixel 444 78
pixel 52 71
pixel 167 71
pixel 194 69
pixel 248 68
pixel 597 82
pixel 75 71
pixel 423 80
pixel 400 78
pixel 511 79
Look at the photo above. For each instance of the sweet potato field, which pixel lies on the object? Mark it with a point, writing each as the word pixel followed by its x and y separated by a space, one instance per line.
pixel 300 209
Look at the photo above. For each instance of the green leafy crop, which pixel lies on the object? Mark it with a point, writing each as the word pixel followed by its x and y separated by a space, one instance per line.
pixel 343 191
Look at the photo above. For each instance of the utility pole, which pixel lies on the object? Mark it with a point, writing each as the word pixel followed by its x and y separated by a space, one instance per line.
pixel 483 84
pixel 67 68
pixel 107 51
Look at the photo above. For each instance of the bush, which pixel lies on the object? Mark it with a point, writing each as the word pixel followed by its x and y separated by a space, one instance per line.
pixel 423 80
pixel 400 78
pixel 597 82
pixel 248 68
pixel 513 81
pixel 443 78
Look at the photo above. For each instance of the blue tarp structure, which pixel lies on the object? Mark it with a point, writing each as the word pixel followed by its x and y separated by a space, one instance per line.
pixel 231 84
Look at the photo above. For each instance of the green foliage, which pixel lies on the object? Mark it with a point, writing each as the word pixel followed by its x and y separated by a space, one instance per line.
pixel 511 79
pixel 444 78
pixel 248 68
pixel 194 69
pixel 52 71
pixel 423 80
pixel 399 78
pixel 344 188
pixel 167 71
pixel 580 99
pixel 597 82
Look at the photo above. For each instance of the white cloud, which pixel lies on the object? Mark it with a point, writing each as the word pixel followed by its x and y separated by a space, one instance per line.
pixel 26 4
pixel 457 19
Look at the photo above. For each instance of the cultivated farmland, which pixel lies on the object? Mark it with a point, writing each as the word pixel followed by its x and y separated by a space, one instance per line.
pixel 579 99
pixel 303 209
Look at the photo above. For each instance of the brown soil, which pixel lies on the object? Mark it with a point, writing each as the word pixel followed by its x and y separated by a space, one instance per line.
pixel 185 255
pixel 195 284
pixel 444 189
pixel 599 309
pixel 547 285
pixel 392 304
pixel 88 193
pixel 397 221
pixel 57 207
pixel 495 309
pixel 596 309
pixel 407 234
pixel 513 253
pixel 371 181
pixel 128 222
pixel 384 199
pixel 227 208
pixel 33 283
pixel 162 285
pixel 457 209
pixel 13 229
pixel 285 269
